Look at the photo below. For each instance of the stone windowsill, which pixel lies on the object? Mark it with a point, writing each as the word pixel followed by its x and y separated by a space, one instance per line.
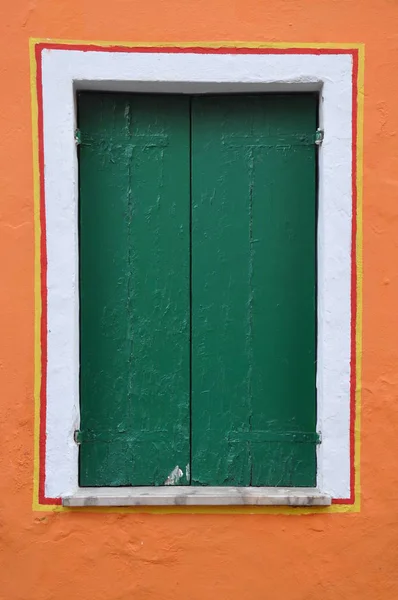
pixel 196 496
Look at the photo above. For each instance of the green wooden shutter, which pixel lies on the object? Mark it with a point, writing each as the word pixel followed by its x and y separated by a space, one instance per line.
pixel 253 290
pixel 134 289
pixel 247 176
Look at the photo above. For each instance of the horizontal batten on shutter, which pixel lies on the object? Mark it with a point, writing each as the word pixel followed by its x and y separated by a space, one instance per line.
pixel 109 437
pixel 270 141
pixel 258 437
pixel 136 141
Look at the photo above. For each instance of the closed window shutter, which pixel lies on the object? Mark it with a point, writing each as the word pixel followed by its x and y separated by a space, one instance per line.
pixel 134 289
pixel 254 290
pixel 198 290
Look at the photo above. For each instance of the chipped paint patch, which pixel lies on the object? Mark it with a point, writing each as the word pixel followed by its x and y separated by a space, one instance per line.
pixel 174 477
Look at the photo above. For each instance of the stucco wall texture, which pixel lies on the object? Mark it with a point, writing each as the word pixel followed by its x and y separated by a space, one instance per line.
pixel 108 556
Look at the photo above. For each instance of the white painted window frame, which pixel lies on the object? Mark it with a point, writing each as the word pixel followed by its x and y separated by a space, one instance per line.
pixel 65 71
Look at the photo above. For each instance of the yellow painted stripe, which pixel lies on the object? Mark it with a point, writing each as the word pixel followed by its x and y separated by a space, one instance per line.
pixel 203 44
pixel 207 510
pixel 37 286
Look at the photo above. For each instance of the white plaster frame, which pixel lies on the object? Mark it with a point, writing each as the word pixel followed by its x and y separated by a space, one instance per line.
pixel 64 71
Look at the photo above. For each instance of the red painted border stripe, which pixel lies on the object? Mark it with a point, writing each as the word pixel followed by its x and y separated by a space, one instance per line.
pixel 353 382
pixel 43 248
pixel 43 283
pixel 192 50
pixel 354 274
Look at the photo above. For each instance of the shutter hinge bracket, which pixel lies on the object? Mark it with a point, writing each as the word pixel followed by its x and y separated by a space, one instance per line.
pixel 77 436
pixel 78 137
pixel 319 135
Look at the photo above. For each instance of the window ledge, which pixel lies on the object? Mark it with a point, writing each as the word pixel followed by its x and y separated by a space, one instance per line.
pixel 196 496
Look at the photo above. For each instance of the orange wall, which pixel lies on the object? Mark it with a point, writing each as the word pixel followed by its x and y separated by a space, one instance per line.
pixel 100 556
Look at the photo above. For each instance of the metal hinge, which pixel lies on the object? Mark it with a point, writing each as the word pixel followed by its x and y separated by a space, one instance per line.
pixel 319 135
pixel 78 137
pixel 77 436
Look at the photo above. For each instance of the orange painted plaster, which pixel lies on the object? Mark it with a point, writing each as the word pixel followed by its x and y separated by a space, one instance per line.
pixel 105 555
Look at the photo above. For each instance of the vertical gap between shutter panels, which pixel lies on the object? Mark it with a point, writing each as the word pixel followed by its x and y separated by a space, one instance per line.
pixel 190 290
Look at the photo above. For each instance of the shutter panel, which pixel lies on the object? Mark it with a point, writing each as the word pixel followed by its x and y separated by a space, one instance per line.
pixel 254 290
pixel 134 289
